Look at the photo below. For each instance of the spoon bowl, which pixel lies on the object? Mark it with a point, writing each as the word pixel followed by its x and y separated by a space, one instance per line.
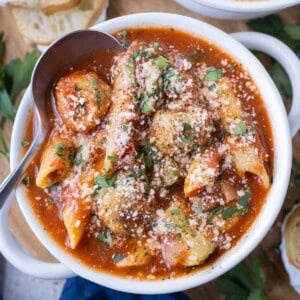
pixel 58 56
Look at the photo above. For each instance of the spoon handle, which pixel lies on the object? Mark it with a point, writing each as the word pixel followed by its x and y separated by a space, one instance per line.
pixel 11 181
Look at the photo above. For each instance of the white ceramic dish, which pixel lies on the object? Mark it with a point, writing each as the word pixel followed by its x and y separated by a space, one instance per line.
pixel 293 272
pixel 282 127
pixel 236 10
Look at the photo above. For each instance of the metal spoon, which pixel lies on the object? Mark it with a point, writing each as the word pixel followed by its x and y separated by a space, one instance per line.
pixel 60 54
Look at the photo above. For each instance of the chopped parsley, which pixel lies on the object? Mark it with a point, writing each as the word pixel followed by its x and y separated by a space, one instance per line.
pixel 232 68
pixel 77 88
pixel 113 158
pixel 123 33
pixel 59 149
pixel 118 257
pixel 161 62
pixel 26 180
pixel 130 66
pixel 105 236
pixel 25 143
pixel 147 108
pixel 241 128
pixel 104 182
pixel 94 82
pixel 213 74
pixel 156 45
pixel 53 187
pixel 77 158
pixel 175 212
pixel 98 98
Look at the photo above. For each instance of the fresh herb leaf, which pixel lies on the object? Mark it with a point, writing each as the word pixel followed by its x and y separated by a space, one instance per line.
pixel 53 187
pixel 130 66
pixel 94 82
pixel 21 72
pixel 175 212
pixel 26 180
pixel 274 26
pixel 147 108
pixel 241 128
pixel 161 62
pixel 104 182
pixel 105 236
pixel 243 201
pixel 213 74
pixel 214 212
pixel 77 88
pixel 243 282
pixel 229 212
pixel 112 158
pixel 118 257
pixel 77 158
pixel 293 31
pixel 281 80
pixel 156 45
pixel 6 108
pixel 59 149
pixel 25 143
pixel 123 33
pixel 98 98
pixel 2 44
pixel 4 148
pixel 232 68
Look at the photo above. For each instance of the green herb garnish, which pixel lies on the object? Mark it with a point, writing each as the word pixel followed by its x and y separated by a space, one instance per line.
pixel 213 74
pixel 241 128
pixel 118 257
pixel 25 143
pixel 98 98
pixel 113 158
pixel 175 212
pixel 59 149
pixel 105 236
pixel 26 180
pixel 53 187
pixel 243 282
pixel 123 33
pixel 161 62
pixel 104 182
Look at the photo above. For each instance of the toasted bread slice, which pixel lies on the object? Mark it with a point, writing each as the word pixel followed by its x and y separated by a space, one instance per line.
pixel 52 6
pixel 43 29
pixel 46 6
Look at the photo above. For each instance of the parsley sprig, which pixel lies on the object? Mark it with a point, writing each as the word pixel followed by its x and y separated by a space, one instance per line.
pixel 243 282
pixel 290 35
pixel 14 77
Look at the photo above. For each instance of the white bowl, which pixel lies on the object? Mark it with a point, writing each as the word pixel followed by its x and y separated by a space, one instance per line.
pixel 268 213
pixel 236 10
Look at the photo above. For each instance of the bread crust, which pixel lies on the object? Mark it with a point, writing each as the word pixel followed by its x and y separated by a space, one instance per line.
pixel 43 29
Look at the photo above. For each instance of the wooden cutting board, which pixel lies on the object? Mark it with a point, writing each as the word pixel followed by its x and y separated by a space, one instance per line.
pixel 277 283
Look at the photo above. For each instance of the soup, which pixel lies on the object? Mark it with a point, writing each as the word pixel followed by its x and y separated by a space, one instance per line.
pixel 158 160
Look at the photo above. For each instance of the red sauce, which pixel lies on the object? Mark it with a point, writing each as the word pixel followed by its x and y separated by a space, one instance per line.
pixel 98 255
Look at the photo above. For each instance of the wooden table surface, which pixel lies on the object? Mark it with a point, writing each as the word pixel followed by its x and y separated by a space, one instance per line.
pixel 277 283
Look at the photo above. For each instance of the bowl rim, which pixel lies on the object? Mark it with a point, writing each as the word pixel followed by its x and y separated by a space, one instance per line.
pixel 247 6
pixel 269 211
